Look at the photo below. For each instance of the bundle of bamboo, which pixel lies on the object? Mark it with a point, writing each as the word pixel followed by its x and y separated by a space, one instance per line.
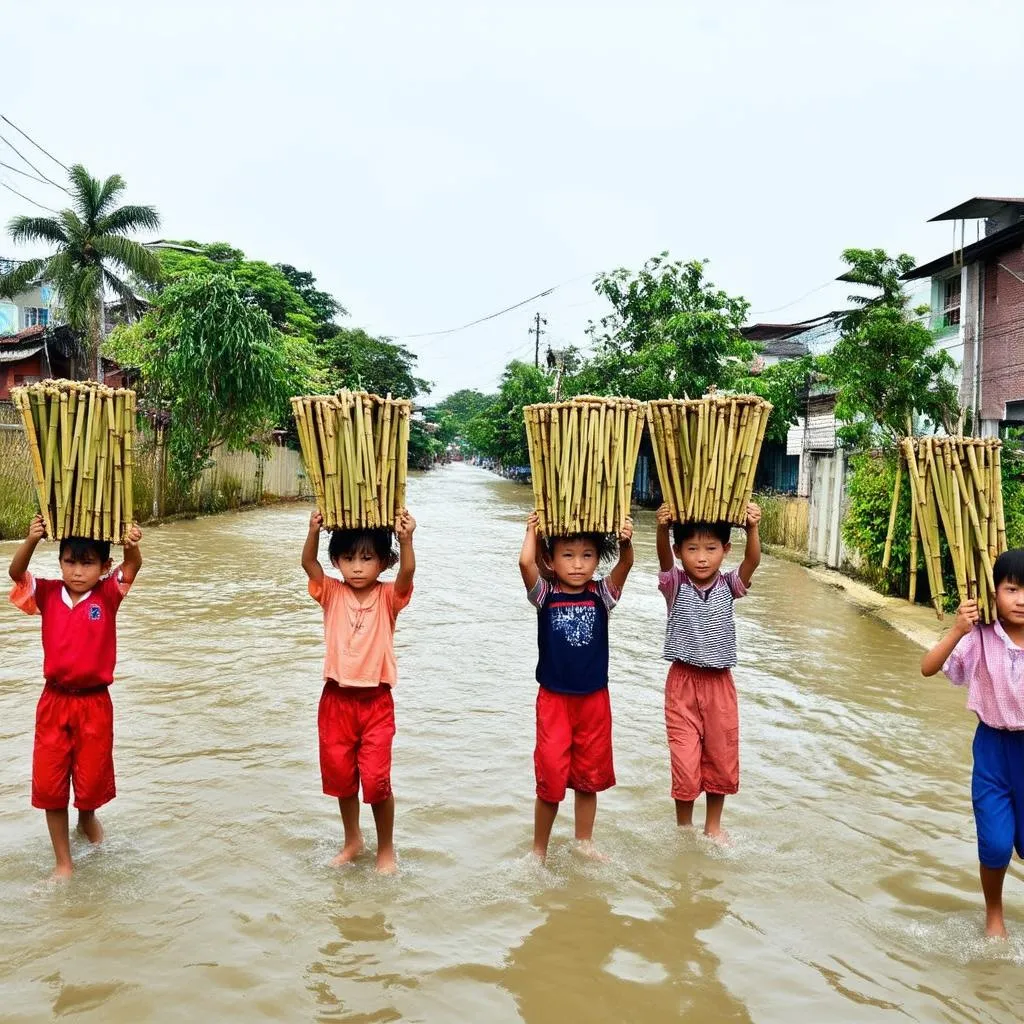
pixel 356 448
pixel 956 481
pixel 582 459
pixel 706 453
pixel 80 443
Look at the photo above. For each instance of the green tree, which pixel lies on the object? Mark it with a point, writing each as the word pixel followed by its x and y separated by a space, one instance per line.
pixel 784 385
pixel 326 309
pixel 212 360
pixel 886 367
pixel 93 255
pixel 670 331
pixel 358 360
pixel 499 431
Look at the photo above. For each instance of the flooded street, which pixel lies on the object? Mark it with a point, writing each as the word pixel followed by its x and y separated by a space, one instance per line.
pixel 850 893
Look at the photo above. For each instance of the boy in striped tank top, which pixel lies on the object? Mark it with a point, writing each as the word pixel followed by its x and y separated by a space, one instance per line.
pixel 574 718
pixel 701 715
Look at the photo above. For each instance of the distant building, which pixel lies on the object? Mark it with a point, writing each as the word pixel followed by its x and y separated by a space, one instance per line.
pixel 977 306
pixel 29 309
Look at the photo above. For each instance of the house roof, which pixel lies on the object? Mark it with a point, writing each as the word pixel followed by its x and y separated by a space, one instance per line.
pixel 1008 238
pixel 977 208
pixel 778 332
pixel 784 349
pixel 16 346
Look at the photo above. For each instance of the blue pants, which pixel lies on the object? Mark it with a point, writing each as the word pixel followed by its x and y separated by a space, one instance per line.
pixel 997 791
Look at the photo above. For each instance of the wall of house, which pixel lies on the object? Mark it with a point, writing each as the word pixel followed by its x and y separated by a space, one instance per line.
pixel 12 312
pixel 1002 351
pixel 14 374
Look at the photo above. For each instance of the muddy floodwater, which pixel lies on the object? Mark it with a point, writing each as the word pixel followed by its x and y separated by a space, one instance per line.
pixel 850 892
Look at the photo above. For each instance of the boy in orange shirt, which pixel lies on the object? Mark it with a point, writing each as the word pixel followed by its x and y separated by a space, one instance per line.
pixel 356 720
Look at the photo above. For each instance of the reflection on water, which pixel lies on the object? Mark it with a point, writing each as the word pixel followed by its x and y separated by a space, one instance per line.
pixel 850 893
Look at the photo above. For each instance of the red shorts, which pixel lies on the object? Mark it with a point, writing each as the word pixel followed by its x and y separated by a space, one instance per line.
pixel 703 731
pixel 356 725
pixel 74 745
pixel 574 744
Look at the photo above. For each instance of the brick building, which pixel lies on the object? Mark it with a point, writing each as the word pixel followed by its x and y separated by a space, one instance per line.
pixel 977 304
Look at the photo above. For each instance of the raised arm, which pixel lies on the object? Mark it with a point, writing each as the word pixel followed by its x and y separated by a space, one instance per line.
pixel 132 562
pixel 966 618
pixel 665 557
pixel 752 552
pixel 404 527
pixel 19 563
pixel 617 577
pixel 311 548
pixel 528 554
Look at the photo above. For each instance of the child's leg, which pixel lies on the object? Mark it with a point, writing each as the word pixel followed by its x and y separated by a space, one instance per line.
pixel 720 753
pixel 377 733
pixel 992 889
pixel 551 765
pixel 544 814
pixel 90 827
pixel 591 767
pixel 92 769
pixel 384 818
pixel 994 818
pixel 353 843
pixel 57 823
pixel 683 726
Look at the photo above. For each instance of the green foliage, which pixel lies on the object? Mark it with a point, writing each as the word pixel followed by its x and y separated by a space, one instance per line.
pixel 499 431
pixel 784 385
pixel 869 495
pixel 92 254
pixel 454 414
pixel 886 367
pixel 671 331
pixel 214 361
pixel 326 309
pixel 357 360
pixel 424 446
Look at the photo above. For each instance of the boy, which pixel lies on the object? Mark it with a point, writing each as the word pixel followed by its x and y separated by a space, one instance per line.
pixel 74 737
pixel 701 714
pixel 574 719
pixel 356 720
pixel 989 661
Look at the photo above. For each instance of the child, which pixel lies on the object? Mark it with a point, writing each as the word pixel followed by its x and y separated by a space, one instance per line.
pixel 74 739
pixel 989 661
pixel 701 715
pixel 574 719
pixel 356 720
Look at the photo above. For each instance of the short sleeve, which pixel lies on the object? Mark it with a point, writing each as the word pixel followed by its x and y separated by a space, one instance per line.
pixel 23 595
pixel 669 583
pixel 114 588
pixel 538 593
pixel 961 665
pixel 397 601
pixel 324 590
pixel 609 593
pixel 736 585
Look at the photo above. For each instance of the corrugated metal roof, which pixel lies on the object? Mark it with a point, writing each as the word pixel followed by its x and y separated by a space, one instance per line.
pixel 1008 238
pixel 15 355
pixel 978 208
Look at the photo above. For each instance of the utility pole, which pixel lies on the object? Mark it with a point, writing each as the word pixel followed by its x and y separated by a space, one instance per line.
pixel 537 332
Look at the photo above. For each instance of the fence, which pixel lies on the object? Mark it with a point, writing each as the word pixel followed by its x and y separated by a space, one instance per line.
pixel 784 521
pixel 233 480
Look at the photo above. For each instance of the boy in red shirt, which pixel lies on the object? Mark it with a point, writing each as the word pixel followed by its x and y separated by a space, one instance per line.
pixel 74 738
pixel 356 720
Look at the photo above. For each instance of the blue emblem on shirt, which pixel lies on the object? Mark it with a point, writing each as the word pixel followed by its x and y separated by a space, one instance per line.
pixel 94 612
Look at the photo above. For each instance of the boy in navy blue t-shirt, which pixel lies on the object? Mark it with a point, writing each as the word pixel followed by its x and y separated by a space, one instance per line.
pixel 574 719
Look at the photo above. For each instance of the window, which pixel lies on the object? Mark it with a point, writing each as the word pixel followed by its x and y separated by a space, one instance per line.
pixel 36 316
pixel 951 302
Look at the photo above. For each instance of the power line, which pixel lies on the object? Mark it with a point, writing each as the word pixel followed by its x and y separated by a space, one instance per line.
pixel 49 209
pixel 18 170
pixel 29 162
pixel 34 143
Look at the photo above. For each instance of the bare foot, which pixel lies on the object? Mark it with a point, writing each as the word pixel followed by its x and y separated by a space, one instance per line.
pixel 995 929
pixel 91 828
pixel 540 856
pixel 586 848
pixel 349 852
pixel 62 872
pixel 719 836
pixel 386 864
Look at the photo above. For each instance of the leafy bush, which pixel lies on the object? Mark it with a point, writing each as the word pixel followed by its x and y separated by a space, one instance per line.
pixel 869 495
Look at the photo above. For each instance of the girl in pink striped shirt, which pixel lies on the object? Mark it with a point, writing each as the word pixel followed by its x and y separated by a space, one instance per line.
pixel 989 661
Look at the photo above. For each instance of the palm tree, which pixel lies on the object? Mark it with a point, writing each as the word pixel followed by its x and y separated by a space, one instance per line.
pixel 92 250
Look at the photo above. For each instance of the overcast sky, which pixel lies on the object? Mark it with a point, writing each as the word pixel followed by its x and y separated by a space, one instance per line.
pixel 434 163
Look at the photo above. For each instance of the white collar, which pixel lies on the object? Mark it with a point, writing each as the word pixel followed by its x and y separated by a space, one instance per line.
pixel 66 597
pixel 1010 645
